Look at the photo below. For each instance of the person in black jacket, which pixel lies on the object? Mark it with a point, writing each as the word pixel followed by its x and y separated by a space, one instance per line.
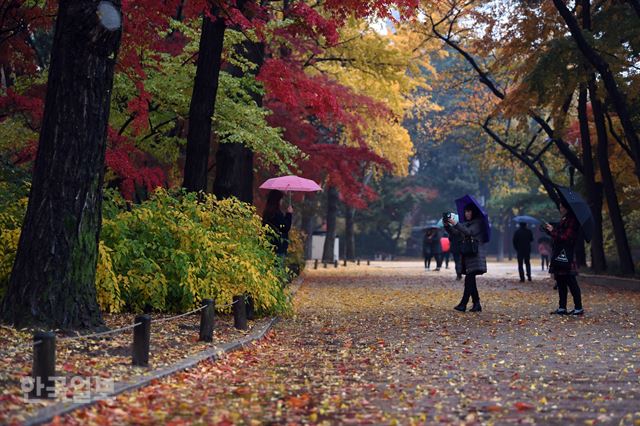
pixel 278 221
pixel 522 239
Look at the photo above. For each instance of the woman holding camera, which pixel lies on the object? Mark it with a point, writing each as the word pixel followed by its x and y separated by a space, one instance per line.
pixel 472 228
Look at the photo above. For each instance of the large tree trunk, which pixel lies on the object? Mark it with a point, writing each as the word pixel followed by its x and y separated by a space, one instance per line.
pixel 349 235
pixel 53 278
pixel 307 228
pixel 234 161
pixel 622 243
pixel 594 192
pixel 203 98
pixel 332 212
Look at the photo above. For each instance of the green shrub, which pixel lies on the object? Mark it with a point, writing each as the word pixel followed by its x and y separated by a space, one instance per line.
pixel 170 252
pixel 295 254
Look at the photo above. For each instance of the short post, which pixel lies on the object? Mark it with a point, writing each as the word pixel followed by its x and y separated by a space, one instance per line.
pixel 368 262
pixel 358 262
pixel 251 308
pixel 141 340
pixel 324 264
pixel 315 264
pixel 345 263
pixel 207 318
pixel 44 365
pixel 335 263
pixel 239 313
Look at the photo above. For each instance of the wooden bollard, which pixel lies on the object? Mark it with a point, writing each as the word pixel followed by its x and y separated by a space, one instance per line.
pixel 335 263
pixel 207 318
pixel 324 264
pixel 358 262
pixel 315 264
pixel 368 262
pixel 345 263
pixel 44 365
pixel 141 340
pixel 251 308
pixel 239 313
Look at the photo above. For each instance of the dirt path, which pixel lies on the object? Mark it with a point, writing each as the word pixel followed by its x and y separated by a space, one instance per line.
pixel 382 345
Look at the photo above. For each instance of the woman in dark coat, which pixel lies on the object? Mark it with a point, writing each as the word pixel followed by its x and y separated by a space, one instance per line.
pixel 564 239
pixel 472 265
pixel 426 247
pixel 278 221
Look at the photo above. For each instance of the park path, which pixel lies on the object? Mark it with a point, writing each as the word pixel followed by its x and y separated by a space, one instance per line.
pixel 382 345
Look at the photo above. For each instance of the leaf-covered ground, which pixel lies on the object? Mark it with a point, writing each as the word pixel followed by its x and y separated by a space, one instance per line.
pixel 382 345
pixel 105 357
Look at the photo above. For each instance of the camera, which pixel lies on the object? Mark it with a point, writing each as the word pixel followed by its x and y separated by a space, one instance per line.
pixel 446 216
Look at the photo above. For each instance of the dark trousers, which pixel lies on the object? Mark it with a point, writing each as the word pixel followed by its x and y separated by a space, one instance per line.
pixel 427 260
pixel 526 258
pixel 569 282
pixel 457 259
pixel 445 257
pixel 544 258
pixel 470 290
pixel 438 257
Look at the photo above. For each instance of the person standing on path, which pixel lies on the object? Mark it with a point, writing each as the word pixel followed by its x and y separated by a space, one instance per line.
pixel 544 249
pixel 563 266
pixel 436 248
pixel 472 229
pixel 279 222
pixel 426 247
pixel 522 239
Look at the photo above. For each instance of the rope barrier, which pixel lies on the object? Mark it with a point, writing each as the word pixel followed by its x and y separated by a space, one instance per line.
pixel 178 316
pixel 227 305
pixel 102 333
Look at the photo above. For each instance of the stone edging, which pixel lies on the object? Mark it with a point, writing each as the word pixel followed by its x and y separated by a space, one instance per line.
pixel 47 414
pixel 610 281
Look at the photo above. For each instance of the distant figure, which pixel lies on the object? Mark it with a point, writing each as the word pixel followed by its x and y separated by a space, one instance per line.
pixel 279 222
pixel 522 243
pixel 544 248
pixel 436 247
pixel 446 249
pixel 426 247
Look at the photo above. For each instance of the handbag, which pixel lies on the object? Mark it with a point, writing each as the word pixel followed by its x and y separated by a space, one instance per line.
pixel 561 257
pixel 469 246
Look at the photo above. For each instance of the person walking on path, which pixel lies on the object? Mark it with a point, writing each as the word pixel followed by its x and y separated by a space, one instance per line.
pixel 436 248
pixel 522 239
pixel 563 266
pixel 544 248
pixel 470 231
pixel 426 247
pixel 279 222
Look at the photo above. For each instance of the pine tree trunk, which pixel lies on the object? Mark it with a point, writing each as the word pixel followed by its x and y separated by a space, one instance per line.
pixel 234 161
pixel 349 234
pixel 203 98
pixel 622 243
pixel 53 280
pixel 332 212
pixel 594 193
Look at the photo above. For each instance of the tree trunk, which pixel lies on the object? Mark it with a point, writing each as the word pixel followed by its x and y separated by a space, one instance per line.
pixel 500 236
pixel 53 279
pixel 203 98
pixel 332 211
pixel 307 228
pixel 602 66
pixel 622 243
pixel 594 193
pixel 234 161
pixel 349 235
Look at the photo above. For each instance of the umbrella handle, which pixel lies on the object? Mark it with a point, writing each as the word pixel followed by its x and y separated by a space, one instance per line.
pixel 289 198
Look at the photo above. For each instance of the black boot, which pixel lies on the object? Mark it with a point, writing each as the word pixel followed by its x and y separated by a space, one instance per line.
pixel 476 307
pixel 460 307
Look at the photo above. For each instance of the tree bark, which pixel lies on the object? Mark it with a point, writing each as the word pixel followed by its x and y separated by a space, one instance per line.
pixel 53 279
pixel 202 107
pixel 594 193
pixel 349 235
pixel 234 161
pixel 622 243
pixel 307 228
pixel 615 94
pixel 332 211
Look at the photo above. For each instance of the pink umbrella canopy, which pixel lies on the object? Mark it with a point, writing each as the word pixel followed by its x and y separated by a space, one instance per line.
pixel 291 183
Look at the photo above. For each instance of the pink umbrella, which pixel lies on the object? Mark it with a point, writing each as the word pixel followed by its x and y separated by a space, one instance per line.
pixel 291 183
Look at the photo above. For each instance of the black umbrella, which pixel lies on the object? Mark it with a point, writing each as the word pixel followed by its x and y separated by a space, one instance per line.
pixel 580 209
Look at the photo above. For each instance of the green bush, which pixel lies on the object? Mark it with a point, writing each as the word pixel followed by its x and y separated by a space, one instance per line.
pixel 295 254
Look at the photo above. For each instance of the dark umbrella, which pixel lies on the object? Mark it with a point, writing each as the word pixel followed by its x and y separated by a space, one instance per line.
pixel 580 210
pixel 468 199
pixel 526 219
